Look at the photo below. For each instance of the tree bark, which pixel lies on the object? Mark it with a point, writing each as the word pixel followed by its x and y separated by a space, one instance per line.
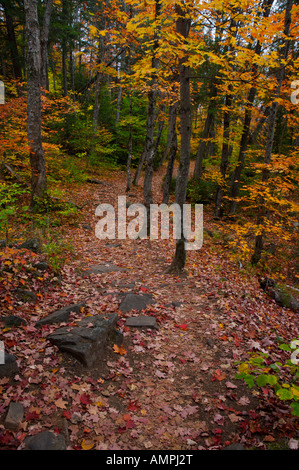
pixel 37 160
pixel 202 148
pixel 183 27
pixel 150 127
pixel 225 153
pixel 44 45
pixel 173 144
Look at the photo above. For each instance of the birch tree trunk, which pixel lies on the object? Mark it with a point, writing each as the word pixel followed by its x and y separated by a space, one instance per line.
pixel 37 160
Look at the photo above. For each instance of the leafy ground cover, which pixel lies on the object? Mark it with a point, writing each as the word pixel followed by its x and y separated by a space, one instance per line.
pixel 171 388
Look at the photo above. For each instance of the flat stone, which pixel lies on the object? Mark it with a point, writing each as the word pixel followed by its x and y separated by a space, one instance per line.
pixel 142 322
pixel 61 315
pixel 87 341
pixel 10 366
pixel 14 416
pixel 45 440
pixel 102 269
pixel 136 302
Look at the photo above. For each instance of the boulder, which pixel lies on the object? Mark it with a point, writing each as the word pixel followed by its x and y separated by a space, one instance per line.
pixel 136 302
pixel 25 295
pixel 14 416
pixel 9 367
pixel 61 315
pixel 32 244
pixel 45 440
pixel 278 293
pixel 87 342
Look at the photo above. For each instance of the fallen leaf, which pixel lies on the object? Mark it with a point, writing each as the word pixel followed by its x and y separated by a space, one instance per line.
pixel 119 350
pixel 60 403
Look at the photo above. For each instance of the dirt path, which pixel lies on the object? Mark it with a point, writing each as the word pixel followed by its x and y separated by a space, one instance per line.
pixel 175 387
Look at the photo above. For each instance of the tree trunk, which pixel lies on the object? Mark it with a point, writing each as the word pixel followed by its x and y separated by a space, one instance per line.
pixel 183 27
pixel 247 121
pixel 44 45
pixel 225 153
pixel 150 127
pixel 202 148
pixel 262 210
pixel 16 64
pixel 173 144
pixel 37 160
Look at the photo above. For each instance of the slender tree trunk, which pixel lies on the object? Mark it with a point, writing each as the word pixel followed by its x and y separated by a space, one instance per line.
pixel 130 143
pixel 44 45
pixel 150 127
pixel 16 63
pixel 139 168
pixel 173 151
pixel 183 28
pixel 202 148
pixel 247 121
pixel 37 160
pixel 262 209
pixel 225 153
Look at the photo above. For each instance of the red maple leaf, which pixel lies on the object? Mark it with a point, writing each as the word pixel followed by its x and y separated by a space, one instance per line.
pixel 85 399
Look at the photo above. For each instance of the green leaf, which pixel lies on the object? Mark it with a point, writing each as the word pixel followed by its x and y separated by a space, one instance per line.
pixel 262 380
pixel 284 394
pixel 295 408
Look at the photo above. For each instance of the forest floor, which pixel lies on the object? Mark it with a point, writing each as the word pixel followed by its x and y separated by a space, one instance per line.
pixel 170 389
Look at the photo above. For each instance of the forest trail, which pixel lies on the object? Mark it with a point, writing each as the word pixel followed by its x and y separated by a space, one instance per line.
pixel 171 388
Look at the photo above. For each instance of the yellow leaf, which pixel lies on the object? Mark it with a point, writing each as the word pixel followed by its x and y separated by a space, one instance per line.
pixel 243 367
pixel 87 445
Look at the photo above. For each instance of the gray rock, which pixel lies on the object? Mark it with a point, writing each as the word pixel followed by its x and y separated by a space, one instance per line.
pixel 136 302
pixel 10 366
pixel 61 315
pixel 12 320
pixel 41 266
pixel 26 295
pixel 142 322
pixel 103 268
pixel 32 244
pixel 45 440
pixel 14 416
pixel 87 341
pixel 94 181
